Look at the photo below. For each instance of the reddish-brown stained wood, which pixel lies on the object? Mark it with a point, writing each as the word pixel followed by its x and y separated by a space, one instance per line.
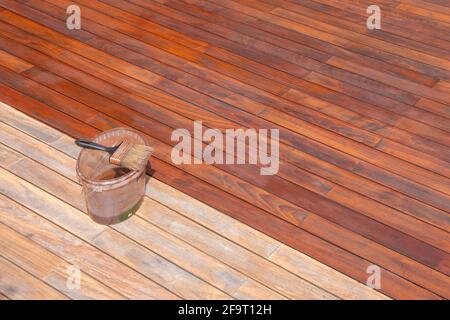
pixel 44 113
pixel 364 147
pixel 238 118
pixel 433 106
pixel 14 63
pixel 98 99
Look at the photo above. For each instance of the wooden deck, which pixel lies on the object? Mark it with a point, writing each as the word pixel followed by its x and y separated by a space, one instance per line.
pixel 364 147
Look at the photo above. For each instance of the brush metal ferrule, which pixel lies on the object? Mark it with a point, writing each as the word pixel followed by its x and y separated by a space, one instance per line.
pixel 121 152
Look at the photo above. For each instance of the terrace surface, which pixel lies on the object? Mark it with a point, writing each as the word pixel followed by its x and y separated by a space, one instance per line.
pixel 364 147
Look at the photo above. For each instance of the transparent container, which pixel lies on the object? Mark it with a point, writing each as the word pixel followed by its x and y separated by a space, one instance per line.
pixel 112 194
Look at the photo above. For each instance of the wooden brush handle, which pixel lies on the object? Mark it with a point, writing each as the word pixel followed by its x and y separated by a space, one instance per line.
pixel 121 151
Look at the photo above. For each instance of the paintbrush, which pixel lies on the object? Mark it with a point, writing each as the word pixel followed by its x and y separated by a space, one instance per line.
pixel 126 154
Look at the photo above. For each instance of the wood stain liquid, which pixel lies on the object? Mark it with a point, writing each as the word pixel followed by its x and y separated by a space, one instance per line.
pixel 113 173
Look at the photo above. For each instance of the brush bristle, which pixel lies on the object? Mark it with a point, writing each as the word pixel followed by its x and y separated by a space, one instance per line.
pixel 136 156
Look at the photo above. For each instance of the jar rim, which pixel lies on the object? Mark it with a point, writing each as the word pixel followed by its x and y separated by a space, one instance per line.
pixel 116 182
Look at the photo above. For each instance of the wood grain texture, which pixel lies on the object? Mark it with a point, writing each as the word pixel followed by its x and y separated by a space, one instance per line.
pixel 109 240
pixel 14 63
pixel 315 230
pixel 202 238
pixel 3 297
pixel 17 171
pixel 60 242
pixel 49 268
pixel 363 119
pixel 17 284
pixel 175 250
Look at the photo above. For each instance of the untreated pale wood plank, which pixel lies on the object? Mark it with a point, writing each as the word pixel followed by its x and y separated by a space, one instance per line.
pixel 232 254
pixel 62 243
pixel 50 268
pixel 164 217
pixel 18 120
pixel 13 138
pixel 363 174
pixel 108 240
pixel 17 284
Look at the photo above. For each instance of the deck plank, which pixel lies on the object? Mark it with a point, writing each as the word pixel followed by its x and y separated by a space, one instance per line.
pixel 49 268
pixel 109 240
pixel 62 243
pixel 399 184
pixel 17 284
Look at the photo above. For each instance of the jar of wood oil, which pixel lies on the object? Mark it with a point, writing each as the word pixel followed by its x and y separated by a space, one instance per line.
pixel 112 193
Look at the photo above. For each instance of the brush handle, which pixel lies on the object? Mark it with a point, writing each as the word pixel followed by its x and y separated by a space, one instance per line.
pixel 95 146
